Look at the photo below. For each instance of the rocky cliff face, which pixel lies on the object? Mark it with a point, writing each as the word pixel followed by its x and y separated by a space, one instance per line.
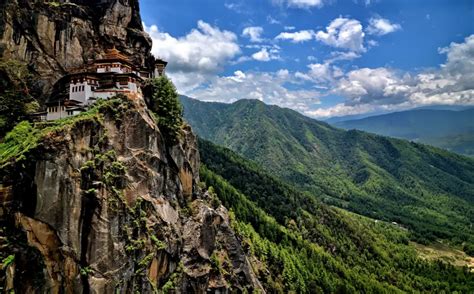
pixel 54 36
pixel 105 204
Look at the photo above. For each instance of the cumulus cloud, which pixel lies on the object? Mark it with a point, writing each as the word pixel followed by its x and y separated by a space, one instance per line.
pixel 320 71
pixel 253 33
pixel 272 20
pixel 197 58
pixel 337 56
pixel 266 55
pixel 237 7
pixel 380 26
pixel 296 37
pixel 371 89
pixel 378 86
pixel 340 109
pixel 202 52
pixel 343 33
pixel 268 87
pixel 300 3
pixel 460 58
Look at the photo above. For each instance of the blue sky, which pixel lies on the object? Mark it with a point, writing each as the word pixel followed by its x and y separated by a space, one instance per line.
pixel 320 57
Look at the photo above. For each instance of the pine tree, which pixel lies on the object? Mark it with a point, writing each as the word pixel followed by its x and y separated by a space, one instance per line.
pixel 162 98
pixel 15 101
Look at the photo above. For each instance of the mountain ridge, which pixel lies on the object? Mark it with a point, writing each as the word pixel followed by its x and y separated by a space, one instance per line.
pixel 270 215
pixel 436 127
pixel 381 177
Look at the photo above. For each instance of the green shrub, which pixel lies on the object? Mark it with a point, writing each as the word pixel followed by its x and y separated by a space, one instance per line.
pixel 162 98
pixel 16 103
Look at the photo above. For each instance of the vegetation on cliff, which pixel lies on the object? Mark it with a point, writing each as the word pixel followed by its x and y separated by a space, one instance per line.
pixel 26 136
pixel 16 102
pixel 162 98
pixel 113 196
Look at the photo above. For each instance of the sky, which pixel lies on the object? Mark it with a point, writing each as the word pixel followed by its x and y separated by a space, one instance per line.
pixel 323 58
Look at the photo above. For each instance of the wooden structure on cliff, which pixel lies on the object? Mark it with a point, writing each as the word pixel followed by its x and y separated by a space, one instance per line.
pixel 101 79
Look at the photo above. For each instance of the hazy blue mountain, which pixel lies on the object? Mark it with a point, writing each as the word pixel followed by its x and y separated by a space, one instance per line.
pixel 336 119
pixel 449 129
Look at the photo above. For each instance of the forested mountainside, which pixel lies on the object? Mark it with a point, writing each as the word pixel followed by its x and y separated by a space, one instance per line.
pixel 449 129
pixel 427 190
pixel 300 244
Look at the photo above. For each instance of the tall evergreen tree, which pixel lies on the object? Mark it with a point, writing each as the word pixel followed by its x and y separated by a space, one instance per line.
pixel 162 98
pixel 15 100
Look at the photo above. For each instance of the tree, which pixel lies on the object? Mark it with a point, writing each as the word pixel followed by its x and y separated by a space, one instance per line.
pixel 161 98
pixel 15 99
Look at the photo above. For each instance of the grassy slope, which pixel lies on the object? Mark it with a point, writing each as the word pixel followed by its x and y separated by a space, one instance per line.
pixel 428 190
pixel 25 137
pixel 452 130
pixel 303 245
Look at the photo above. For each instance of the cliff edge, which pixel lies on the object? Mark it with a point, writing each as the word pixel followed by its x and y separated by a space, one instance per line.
pixel 100 203
pixel 53 37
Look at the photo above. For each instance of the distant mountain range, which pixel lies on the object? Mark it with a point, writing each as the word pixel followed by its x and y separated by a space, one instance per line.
pixel 336 119
pixel 426 189
pixel 449 129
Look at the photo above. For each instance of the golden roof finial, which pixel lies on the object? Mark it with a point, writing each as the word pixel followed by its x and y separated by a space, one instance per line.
pixel 114 53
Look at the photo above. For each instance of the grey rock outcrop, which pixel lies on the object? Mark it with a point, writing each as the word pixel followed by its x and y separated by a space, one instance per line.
pixel 106 204
pixel 53 37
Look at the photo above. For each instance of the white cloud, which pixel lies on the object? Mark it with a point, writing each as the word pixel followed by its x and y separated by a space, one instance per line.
pixel 296 37
pixel 385 89
pixel 305 4
pixel 253 33
pixel 337 56
pixel 368 89
pixel 377 86
pixel 460 58
pixel 264 86
pixel 261 55
pixel 372 43
pixel 283 73
pixel 343 33
pixel 271 20
pixel 197 58
pixel 237 7
pixel 264 53
pixel 320 72
pixel 192 58
pixel 288 28
pixel 381 26
pixel 340 109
